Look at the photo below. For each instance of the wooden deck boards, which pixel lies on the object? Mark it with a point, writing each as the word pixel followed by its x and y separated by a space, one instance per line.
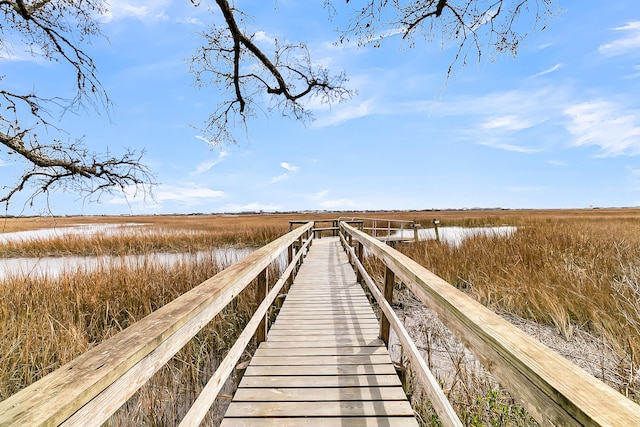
pixel 323 363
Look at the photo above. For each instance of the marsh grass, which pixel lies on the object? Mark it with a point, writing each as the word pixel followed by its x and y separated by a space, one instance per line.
pixel 577 274
pixel 137 241
pixel 49 322
pixel 574 270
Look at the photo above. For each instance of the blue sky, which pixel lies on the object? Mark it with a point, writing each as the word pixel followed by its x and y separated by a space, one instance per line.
pixel 557 127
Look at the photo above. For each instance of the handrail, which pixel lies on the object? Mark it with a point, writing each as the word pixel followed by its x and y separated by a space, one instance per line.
pixel 552 389
pixel 374 229
pixel 439 401
pixel 94 385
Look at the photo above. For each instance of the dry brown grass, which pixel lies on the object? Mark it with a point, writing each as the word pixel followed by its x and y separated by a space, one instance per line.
pixel 578 272
pixel 49 322
pixel 572 269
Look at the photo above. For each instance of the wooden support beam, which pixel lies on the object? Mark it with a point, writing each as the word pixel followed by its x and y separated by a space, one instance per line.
pixel 389 281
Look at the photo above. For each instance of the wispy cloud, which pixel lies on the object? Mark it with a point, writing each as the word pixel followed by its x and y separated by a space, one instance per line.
pixel 606 125
pixel 261 36
pixel 629 42
pixel 289 167
pixel 554 162
pixel 337 204
pixel 207 165
pixel 510 122
pixel 142 9
pixel 549 70
pixel 187 195
pixel 344 113
pixel 279 178
pixel 509 147
pixel 250 207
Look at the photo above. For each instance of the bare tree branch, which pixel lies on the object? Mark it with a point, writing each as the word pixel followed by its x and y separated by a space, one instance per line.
pixel 56 30
pixel 231 58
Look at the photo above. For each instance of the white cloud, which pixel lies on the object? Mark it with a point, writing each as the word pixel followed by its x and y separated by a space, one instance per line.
pixel 509 147
pixel 629 42
pixel 208 141
pixel 634 75
pixel 344 113
pixel 279 178
pixel 188 195
pixel 606 125
pixel 250 207
pixel 289 167
pixel 337 204
pixel 206 166
pixel 262 37
pixel 549 70
pixel 142 9
pixel 510 122
pixel 554 162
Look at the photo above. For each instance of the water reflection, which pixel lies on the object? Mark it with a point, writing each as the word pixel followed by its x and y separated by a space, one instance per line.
pixel 455 235
pixel 52 267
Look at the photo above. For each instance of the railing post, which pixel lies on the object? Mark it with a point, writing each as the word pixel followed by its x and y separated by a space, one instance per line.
pixel 300 249
pixel 290 255
pixel 360 254
pixel 261 293
pixel 389 279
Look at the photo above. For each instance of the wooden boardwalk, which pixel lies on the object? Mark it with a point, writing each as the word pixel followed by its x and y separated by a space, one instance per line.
pixel 322 363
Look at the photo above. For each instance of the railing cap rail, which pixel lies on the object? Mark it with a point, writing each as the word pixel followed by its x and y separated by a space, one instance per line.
pixel 554 390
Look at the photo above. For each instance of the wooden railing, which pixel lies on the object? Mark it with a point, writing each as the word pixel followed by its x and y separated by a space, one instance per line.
pixel 553 390
pixel 89 389
pixel 387 230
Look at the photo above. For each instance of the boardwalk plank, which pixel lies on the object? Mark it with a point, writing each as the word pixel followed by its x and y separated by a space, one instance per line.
pixel 320 370
pixel 318 351
pixel 391 408
pixel 318 395
pixel 321 422
pixel 350 359
pixel 323 363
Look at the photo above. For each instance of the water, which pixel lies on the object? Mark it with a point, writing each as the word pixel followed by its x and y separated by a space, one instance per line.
pixel 80 229
pixel 455 235
pixel 52 267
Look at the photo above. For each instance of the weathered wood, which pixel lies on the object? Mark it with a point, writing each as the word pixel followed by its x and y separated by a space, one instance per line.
pixel 342 330
pixel 325 342
pixel 389 282
pixel 342 339
pixel 322 357
pixel 60 394
pixel 321 370
pixel 262 288
pixel 307 394
pixel 317 351
pixel 439 401
pixel 320 422
pixel 325 324
pixel 392 408
pixel 352 359
pixel 321 381
pixel 553 390
pixel 200 407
